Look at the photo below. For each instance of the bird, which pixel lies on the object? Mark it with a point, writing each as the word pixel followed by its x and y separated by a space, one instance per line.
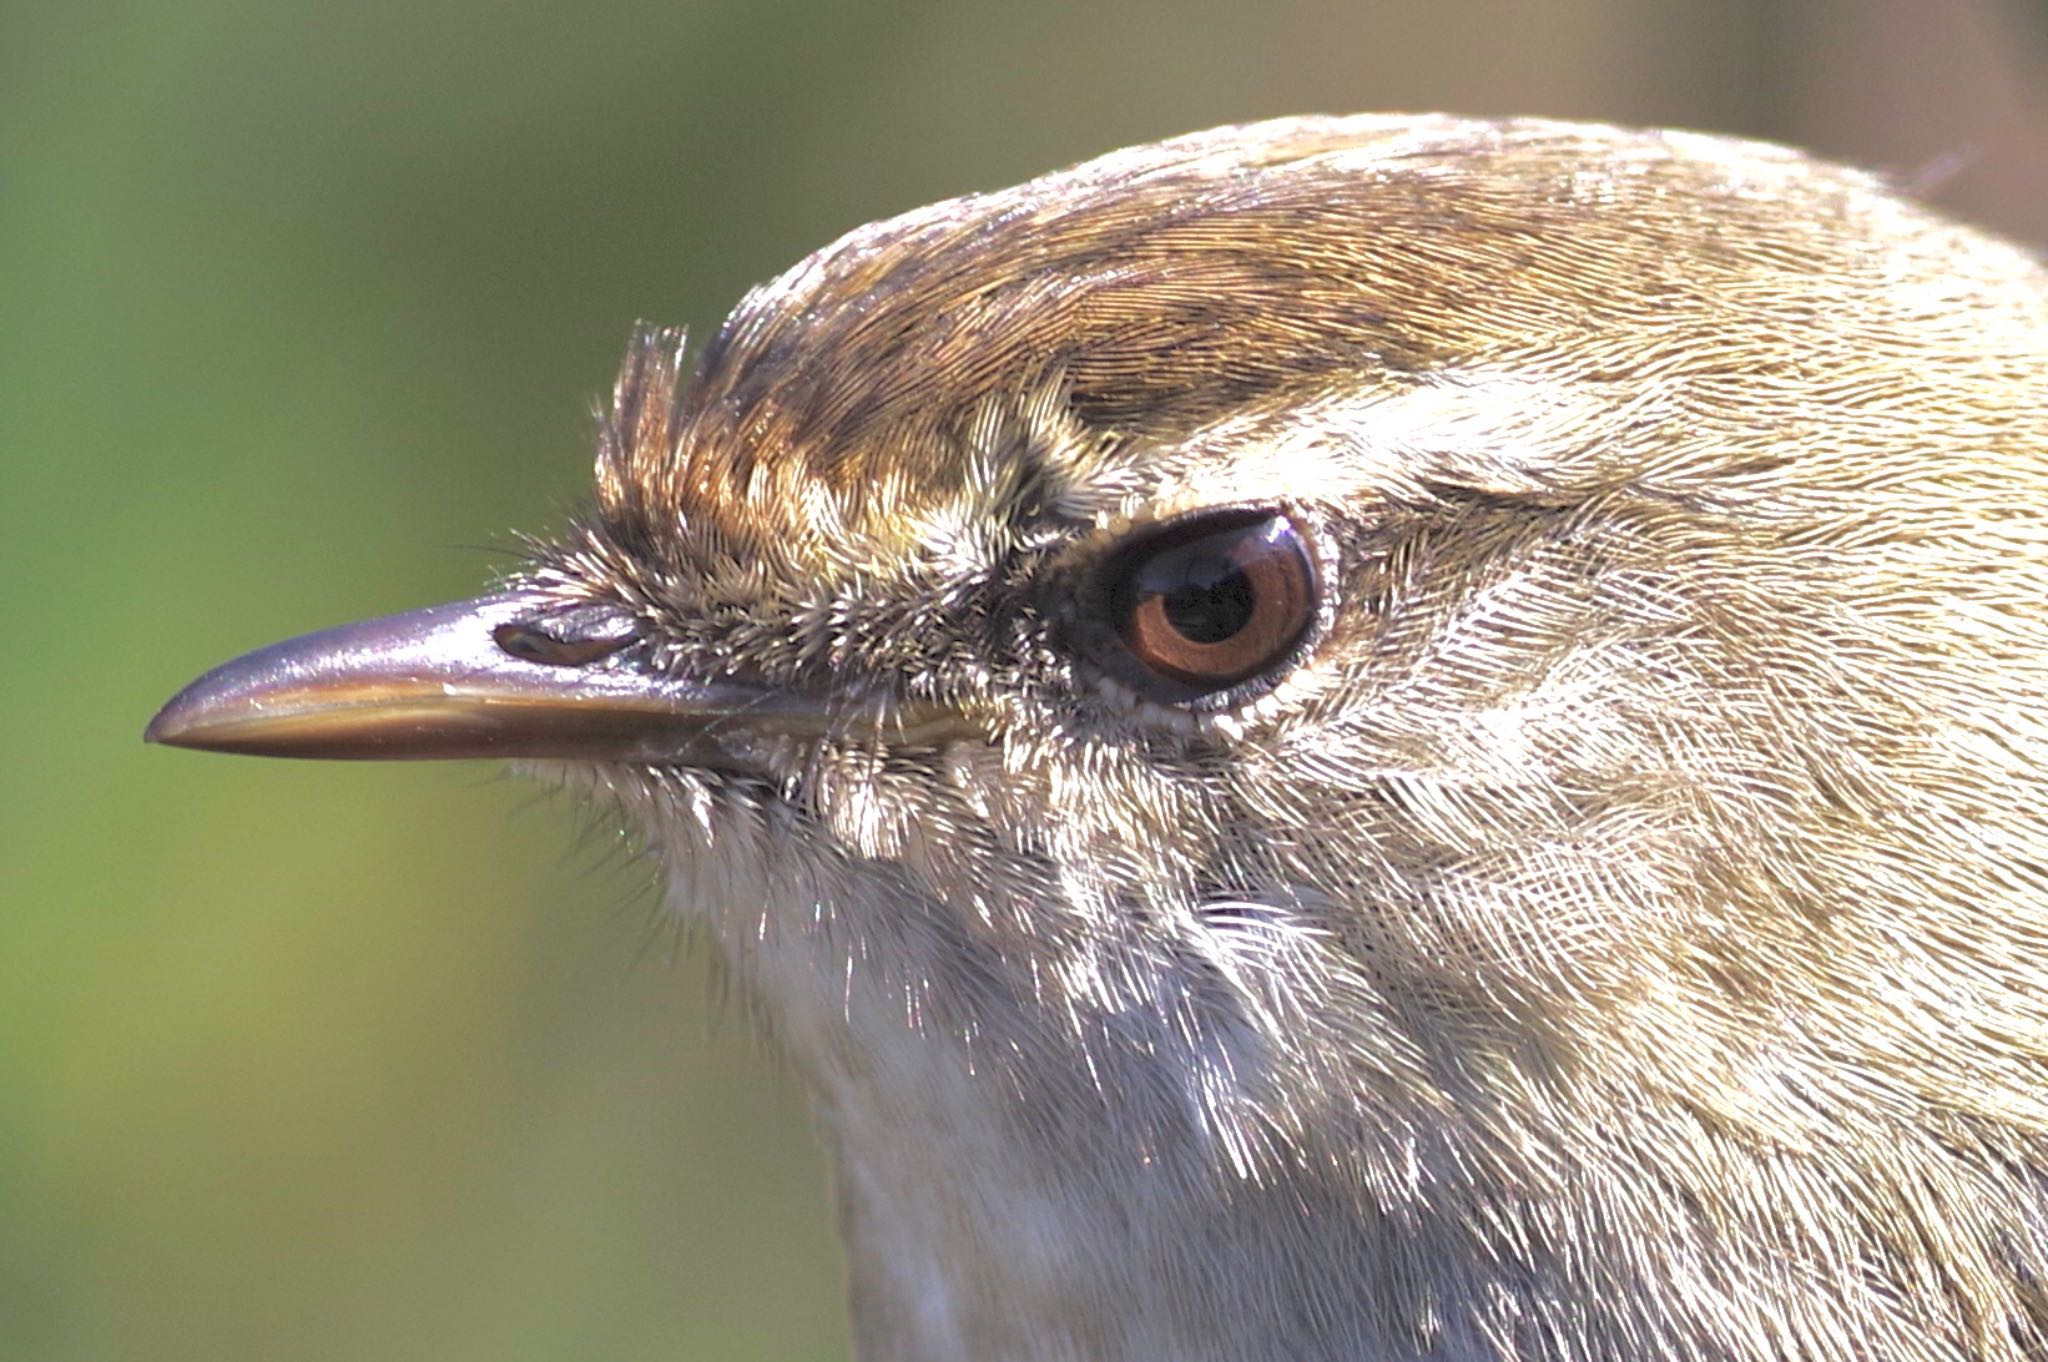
pixel 1371 737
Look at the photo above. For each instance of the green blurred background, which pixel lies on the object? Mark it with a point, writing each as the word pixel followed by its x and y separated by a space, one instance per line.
pixel 305 305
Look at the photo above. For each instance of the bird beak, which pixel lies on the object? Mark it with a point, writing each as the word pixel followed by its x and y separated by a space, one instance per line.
pixel 442 682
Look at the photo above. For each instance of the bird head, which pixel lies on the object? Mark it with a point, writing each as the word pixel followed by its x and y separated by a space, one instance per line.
pixel 1487 675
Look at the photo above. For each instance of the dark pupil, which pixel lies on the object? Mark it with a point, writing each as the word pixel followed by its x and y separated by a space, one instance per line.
pixel 1212 601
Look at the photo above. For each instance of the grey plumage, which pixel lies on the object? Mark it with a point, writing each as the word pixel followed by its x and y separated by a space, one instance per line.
pixel 1621 933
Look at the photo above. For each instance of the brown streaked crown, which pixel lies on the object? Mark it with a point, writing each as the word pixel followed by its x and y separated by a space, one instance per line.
pixel 1162 287
pixel 1596 914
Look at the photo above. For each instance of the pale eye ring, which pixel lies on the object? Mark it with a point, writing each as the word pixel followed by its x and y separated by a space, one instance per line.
pixel 1208 602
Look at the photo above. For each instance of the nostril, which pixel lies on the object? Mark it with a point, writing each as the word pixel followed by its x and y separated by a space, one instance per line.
pixel 572 637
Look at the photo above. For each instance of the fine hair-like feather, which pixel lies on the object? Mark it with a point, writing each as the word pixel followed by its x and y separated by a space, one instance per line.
pixel 1623 935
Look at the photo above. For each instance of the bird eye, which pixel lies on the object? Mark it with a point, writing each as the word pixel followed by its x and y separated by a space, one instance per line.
pixel 1210 602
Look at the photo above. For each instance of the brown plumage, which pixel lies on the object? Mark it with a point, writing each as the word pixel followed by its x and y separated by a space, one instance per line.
pixel 1612 924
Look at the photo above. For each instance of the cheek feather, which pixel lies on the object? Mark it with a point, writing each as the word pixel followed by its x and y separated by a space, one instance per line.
pixel 1378 738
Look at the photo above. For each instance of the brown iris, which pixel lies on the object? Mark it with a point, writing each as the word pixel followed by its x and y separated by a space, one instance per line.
pixel 1213 600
